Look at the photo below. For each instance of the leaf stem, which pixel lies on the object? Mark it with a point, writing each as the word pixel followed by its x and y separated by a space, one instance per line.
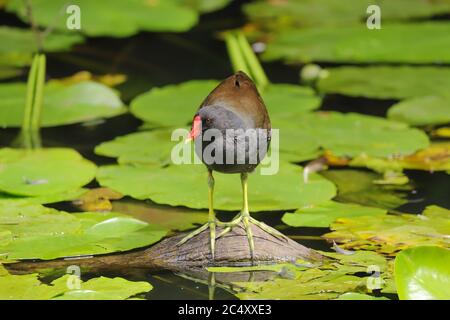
pixel 252 61
pixel 236 57
pixel 39 94
pixel 29 100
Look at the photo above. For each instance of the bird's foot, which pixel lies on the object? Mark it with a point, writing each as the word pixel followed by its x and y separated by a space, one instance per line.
pixel 212 233
pixel 249 220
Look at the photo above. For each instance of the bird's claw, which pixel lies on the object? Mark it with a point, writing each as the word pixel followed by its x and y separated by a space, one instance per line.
pixel 212 229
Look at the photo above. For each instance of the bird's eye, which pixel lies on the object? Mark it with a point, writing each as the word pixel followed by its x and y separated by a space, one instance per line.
pixel 208 121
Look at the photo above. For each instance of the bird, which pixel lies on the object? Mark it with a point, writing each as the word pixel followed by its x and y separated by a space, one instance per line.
pixel 234 125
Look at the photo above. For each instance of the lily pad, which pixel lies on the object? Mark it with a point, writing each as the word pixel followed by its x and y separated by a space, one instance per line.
pixel 389 234
pixel 175 105
pixel 327 281
pixel 422 273
pixel 29 287
pixel 387 82
pixel 420 43
pixel 436 157
pixel 323 214
pixel 134 147
pixel 112 18
pixel 63 103
pixel 358 187
pixel 428 110
pixel 19 45
pixel 8 72
pixel 185 185
pixel 352 134
pixel 104 288
pixel 318 13
pixel 43 171
pixel 10 199
pixel 37 232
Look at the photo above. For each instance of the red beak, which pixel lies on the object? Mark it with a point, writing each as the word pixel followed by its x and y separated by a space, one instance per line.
pixel 196 129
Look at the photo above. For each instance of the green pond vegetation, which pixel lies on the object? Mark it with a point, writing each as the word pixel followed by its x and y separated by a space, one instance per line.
pixel 355 198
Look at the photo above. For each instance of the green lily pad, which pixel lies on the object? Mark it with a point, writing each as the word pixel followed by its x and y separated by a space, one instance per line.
pixel 9 199
pixel 422 273
pixel 323 214
pixel 185 185
pixel 205 6
pixel 387 82
pixel 420 43
pixel 352 134
pixel 175 105
pixel 29 287
pixel 327 281
pixel 134 147
pixel 428 110
pixel 43 171
pixel 37 232
pixel 389 234
pixel 112 18
pixel 319 13
pixel 104 288
pixel 63 103
pixel 19 45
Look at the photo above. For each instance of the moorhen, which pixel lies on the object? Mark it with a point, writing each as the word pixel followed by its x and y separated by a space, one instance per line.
pixel 232 122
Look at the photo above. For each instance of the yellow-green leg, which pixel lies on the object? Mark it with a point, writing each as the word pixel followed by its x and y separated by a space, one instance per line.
pixel 211 224
pixel 246 219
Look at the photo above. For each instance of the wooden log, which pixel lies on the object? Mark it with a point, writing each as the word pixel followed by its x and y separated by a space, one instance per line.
pixel 191 257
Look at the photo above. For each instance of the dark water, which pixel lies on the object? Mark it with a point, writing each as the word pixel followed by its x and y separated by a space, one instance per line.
pixel 158 59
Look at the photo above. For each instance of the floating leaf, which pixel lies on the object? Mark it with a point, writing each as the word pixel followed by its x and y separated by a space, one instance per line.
pixel 205 5
pixel 175 105
pixel 43 171
pixel 323 214
pixel 391 233
pixel 29 287
pixel 422 273
pixel 387 82
pixel 352 134
pixel 18 45
pixel 428 110
pixel 358 187
pixel 112 17
pixel 420 43
pixel 134 147
pixel 103 288
pixel 320 13
pixel 434 158
pixel 185 185
pixel 327 281
pixel 63 104
pixel 37 232
pixel 44 199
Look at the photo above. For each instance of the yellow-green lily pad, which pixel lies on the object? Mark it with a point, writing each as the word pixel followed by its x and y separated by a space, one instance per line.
pixel 389 234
